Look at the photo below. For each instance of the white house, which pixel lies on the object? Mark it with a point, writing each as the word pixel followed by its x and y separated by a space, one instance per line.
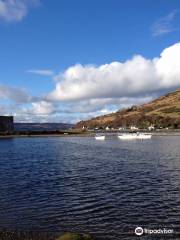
pixel 134 128
pixel 151 127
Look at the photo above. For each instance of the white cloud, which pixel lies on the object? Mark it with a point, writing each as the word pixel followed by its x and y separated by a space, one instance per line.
pixel 42 108
pixel 135 77
pixel 15 10
pixel 43 72
pixel 164 25
pixel 37 112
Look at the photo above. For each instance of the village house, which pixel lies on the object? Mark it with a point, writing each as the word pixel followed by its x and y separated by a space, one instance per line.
pixel 134 128
pixel 151 127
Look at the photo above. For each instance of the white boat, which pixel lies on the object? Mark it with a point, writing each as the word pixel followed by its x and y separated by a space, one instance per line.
pixel 100 137
pixel 131 136
pixel 144 136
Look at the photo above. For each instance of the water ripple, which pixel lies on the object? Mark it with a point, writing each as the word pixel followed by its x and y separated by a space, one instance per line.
pixel 77 184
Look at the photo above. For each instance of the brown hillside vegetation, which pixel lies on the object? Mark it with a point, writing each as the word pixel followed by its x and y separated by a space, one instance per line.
pixel 162 112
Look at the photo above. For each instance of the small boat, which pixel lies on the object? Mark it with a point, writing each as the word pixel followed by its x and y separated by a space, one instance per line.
pixel 131 136
pixel 100 137
pixel 144 136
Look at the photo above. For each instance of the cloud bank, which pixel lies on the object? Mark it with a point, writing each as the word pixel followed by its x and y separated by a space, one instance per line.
pixel 15 10
pixel 136 77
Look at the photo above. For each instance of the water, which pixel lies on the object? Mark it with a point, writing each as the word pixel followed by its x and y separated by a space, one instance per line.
pixel 105 188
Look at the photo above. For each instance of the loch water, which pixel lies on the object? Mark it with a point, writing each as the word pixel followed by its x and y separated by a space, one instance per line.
pixel 77 184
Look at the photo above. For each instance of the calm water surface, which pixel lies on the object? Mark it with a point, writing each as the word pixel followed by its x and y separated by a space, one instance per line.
pixel 105 188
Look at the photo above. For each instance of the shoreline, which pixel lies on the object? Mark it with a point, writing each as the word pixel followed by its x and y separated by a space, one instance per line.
pixel 83 134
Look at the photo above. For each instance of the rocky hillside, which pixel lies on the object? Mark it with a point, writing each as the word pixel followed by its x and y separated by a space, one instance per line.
pixel 162 112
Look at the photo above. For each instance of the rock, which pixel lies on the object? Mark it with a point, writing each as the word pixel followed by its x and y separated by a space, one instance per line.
pixel 75 236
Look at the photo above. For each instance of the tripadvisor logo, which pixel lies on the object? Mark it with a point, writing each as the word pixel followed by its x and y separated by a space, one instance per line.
pixel 139 231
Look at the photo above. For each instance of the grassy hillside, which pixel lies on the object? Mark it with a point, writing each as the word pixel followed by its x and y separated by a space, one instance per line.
pixel 162 112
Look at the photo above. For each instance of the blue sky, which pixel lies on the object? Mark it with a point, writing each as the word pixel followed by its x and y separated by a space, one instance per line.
pixel 52 51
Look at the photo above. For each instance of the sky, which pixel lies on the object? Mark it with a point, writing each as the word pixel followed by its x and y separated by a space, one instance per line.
pixel 69 60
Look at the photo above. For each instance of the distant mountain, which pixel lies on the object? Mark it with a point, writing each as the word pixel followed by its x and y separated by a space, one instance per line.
pixel 42 126
pixel 162 112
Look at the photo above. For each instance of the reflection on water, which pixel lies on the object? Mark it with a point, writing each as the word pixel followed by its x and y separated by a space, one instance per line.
pixel 105 188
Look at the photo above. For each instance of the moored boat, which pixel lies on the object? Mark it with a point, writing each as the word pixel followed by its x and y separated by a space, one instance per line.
pixel 100 137
pixel 131 136
pixel 144 136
